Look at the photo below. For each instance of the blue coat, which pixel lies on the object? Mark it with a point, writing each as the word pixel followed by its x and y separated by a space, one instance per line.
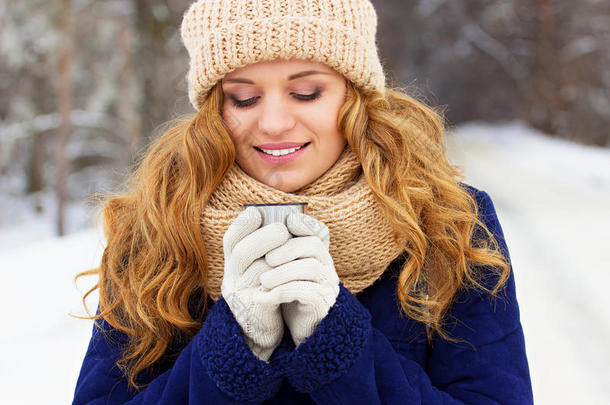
pixel 363 352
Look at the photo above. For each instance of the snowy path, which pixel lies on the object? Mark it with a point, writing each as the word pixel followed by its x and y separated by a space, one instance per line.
pixel 42 350
pixel 553 202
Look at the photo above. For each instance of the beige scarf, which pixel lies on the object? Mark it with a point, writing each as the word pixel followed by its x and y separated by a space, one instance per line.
pixel 361 239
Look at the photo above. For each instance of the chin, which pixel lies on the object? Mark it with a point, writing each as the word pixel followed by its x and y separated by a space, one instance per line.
pixel 289 186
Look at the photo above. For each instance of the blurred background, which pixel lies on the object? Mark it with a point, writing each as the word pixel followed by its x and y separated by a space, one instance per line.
pixel 85 85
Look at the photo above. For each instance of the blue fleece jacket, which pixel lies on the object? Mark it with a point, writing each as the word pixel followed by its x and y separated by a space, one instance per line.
pixel 363 352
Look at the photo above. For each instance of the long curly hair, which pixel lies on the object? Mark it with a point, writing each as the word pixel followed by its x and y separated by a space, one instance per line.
pixel 155 263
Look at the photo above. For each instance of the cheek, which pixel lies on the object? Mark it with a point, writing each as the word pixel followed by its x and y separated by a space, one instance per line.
pixel 228 116
pixel 235 125
pixel 331 122
pixel 332 110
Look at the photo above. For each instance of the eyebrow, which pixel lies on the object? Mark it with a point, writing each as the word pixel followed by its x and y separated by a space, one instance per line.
pixel 291 77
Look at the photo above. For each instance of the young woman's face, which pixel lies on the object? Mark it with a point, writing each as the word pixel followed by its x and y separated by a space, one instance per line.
pixel 281 105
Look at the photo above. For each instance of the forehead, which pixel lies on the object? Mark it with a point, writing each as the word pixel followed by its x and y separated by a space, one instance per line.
pixel 280 67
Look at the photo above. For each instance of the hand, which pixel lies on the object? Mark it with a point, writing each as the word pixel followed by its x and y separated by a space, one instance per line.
pixel 304 278
pixel 244 246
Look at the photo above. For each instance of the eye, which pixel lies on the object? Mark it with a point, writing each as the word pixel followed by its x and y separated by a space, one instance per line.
pixel 308 97
pixel 243 103
pixel 247 103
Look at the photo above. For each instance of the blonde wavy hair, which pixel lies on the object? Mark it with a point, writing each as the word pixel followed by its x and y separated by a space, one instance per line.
pixel 155 263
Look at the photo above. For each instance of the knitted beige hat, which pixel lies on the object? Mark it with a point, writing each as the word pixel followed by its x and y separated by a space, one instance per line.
pixel 223 35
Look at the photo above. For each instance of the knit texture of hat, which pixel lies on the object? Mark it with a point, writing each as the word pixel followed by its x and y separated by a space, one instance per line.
pixel 223 35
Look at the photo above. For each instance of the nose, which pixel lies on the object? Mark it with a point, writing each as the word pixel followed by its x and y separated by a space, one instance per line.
pixel 276 116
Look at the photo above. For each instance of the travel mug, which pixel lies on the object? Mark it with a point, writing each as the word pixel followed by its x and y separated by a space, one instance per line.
pixel 277 212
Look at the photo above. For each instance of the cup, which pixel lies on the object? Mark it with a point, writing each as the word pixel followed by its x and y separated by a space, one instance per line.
pixel 277 212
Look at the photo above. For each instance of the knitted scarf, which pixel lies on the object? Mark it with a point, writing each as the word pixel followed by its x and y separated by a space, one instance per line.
pixel 361 239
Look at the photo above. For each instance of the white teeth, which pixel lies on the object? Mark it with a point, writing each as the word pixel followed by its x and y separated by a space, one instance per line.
pixel 280 152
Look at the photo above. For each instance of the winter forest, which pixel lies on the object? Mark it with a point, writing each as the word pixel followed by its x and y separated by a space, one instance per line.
pixel 85 84
pixel 525 86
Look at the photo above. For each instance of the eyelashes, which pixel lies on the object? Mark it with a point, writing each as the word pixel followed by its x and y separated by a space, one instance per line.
pixel 249 102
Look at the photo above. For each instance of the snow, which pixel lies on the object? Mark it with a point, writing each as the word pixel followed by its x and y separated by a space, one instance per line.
pixel 553 202
pixel 44 346
pixel 551 196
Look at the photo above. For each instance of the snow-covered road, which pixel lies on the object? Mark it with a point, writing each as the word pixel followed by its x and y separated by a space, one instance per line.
pixel 41 346
pixel 553 201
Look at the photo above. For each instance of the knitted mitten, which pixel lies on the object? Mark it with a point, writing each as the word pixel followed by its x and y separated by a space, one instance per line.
pixel 304 279
pixel 257 313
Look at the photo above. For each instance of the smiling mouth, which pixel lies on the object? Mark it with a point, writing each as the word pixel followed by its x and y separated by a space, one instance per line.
pixel 281 152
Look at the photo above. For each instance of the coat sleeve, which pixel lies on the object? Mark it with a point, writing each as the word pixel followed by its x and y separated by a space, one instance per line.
pixel 215 367
pixel 347 360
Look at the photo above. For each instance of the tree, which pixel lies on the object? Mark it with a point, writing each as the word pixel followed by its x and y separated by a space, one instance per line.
pixel 64 96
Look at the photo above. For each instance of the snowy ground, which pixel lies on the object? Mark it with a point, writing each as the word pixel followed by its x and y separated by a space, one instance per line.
pixel 41 346
pixel 553 202
pixel 552 199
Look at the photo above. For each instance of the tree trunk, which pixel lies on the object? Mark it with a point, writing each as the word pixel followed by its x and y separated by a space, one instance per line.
pixel 146 67
pixel 64 95
pixel 545 100
pixel 127 101
pixel 35 179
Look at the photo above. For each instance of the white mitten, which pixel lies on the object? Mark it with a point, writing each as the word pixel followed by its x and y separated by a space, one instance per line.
pixel 304 279
pixel 244 245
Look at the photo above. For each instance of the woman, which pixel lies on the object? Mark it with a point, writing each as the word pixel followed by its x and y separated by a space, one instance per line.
pixel 383 291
